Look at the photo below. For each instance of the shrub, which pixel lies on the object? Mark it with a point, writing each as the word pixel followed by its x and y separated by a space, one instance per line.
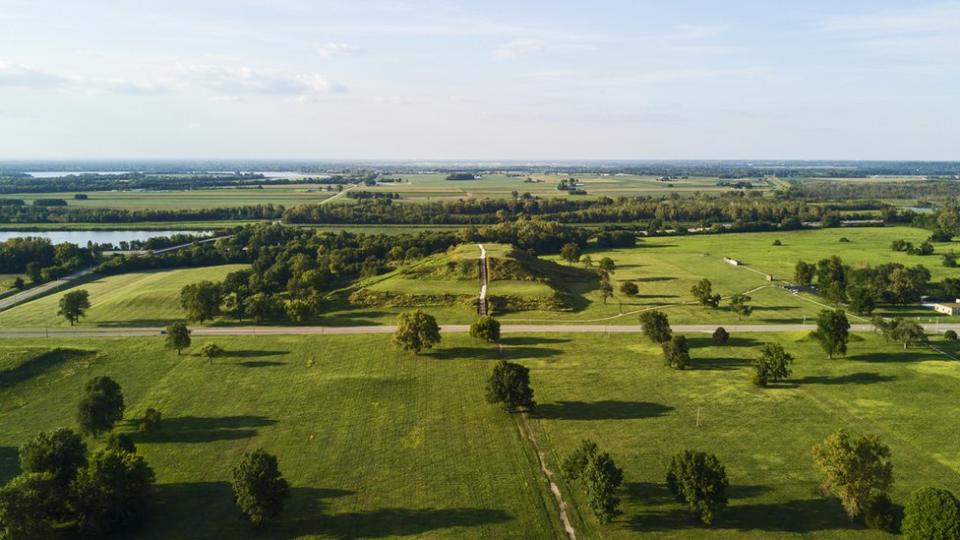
pixel 151 420
pixel 950 335
pixel 699 480
pixel 259 488
pixel 844 240
pixel 80 196
pixel 931 514
pixel 486 328
pixel 881 514
pixel 211 350
pixel 721 336
pixel 629 288
pixel 676 352
pixel 777 243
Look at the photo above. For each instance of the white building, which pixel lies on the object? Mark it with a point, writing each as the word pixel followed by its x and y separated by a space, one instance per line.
pixel 948 308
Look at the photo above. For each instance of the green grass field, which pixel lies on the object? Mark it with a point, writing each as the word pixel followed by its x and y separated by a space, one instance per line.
pixel 134 299
pixel 286 195
pixel 378 443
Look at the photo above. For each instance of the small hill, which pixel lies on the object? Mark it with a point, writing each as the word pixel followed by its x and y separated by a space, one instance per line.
pixel 517 281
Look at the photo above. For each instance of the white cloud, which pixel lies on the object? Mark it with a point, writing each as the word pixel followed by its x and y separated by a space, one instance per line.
pixel 19 75
pixel 331 49
pixel 245 80
pixel 932 18
pixel 518 47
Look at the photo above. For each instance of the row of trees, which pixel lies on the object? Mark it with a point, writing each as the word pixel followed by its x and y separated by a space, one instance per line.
pixel 863 288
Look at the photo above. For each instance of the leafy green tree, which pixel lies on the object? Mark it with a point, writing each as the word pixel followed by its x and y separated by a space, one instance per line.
pixel 33 272
pixel 30 504
pixel 201 300
pixel 570 252
pixel 931 514
pixel 676 352
pixel 259 488
pixel 803 273
pixel 601 478
pixel 178 337
pixel 606 289
pixel 486 328
pixel 720 336
pixel 855 471
pixel 607 265
pixel 586 261
pixel 59 452
pixel 111 491
pixel 629 288
pixel 656 326
pixel 19 284
pixel 739 303
pixel 908 333
pixel 151 420
pixel 416 331
pixel 772 365
pixel 262 306
pixel 699 480
pixel 121 442
pixel 950 335
pixel 298 310
pixel 833 332
pixel 101 406
pixel 74 305
pixel 235 302
pixel 703 293
pixel 509 385
pixel 861 300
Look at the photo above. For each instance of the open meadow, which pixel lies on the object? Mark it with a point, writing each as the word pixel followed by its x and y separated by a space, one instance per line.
pixel 380 443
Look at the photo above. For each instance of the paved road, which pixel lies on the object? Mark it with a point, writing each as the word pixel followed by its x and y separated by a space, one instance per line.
pixel 39 290
pixel 339 194
pixel 62 332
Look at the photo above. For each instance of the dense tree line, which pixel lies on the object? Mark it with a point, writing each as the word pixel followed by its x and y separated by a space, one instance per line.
pixel 41 260
pixel 863 288
pixel 59 214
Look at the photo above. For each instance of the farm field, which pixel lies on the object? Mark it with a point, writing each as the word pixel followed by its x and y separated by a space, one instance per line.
pixel 286 195
pixel 150 298
pixel 379 443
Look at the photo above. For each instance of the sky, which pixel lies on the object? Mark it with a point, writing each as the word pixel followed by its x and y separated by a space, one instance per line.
pixel 480 80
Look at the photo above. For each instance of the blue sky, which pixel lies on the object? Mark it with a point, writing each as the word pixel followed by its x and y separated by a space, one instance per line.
pixel 436 79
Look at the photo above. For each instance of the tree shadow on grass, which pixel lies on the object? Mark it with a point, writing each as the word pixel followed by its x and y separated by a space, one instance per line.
pixel 800 516
pixel 199 429
pixel 131 323
pixel 253 354
pixel 9 463
pixel 600 410
pixel 38 365
pixel 261 363
pixel 491 353
pixel 849 378
pixel 531 340
pixel 655 278
pixel 718 364
pixel 887 357
pixel 696 342
pixel 650 493
pixel 389 522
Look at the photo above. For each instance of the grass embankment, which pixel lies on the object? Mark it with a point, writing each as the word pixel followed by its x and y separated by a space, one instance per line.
pixel 135 299
pixel 378 443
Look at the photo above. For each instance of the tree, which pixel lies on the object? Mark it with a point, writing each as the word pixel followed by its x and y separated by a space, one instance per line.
pixel 656 326
pixel 73 305
pixel 570 252
pixel 703 293
pixel 298 310
pixel 32 271
pixel 739 305
pixel 259 488
pixel 950 335
pixel 855 471
pixel 509 385
pixel 833 332
pixel 606 289
pixel 803 273
pixel 178 337
pixel 29 506
pixel 676 352
pixel 949 259
pixel 121 442
pixel 907 332
pixel 586 261
pixel 262 306
pixel 772 365
pixel 59 453
pixel 416 331
pixel 931 514
pixel 607 265
pixel 700 481
pixel 151 420
pixel 486 328
pixel 112 490
pixel 201 300
pixel 101 406
pixel 629 288
pixel 235 302
pixel 721 336
pixel 861 300
pixel 601 478
pixel 19 284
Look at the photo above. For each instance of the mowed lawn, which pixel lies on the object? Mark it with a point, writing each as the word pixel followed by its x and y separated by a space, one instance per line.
pixel 150 298
pixel 375 443
pixel 378 443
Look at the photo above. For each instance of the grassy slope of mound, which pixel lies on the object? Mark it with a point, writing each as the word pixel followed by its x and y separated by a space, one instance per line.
pixel 150 298
pixel 517 281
